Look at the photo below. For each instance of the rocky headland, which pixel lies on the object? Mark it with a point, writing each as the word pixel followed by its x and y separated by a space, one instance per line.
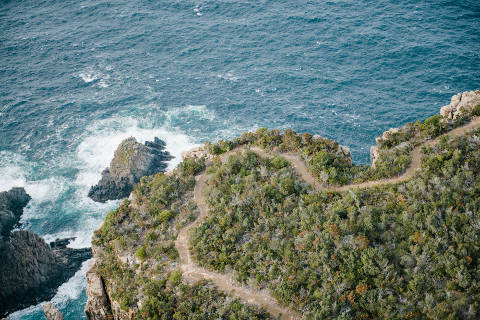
pixel 280 225
pixel 31 270
pixel 132 160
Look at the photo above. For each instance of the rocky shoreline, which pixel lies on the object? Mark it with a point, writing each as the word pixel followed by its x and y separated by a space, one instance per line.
pixel 101 306
pixel 31 270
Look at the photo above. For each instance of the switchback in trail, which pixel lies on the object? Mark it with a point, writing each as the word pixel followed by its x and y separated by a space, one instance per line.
pixel 262 298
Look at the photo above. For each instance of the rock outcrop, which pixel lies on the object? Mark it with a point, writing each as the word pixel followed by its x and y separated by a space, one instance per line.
pixel 132 160
pixel 31 270
pixel 11 208
pixel 461 103
pixel 98 305
pixel 51 312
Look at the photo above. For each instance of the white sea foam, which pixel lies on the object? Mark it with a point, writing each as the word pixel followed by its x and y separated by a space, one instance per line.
pixel 192 112
pixel 13 169
pixel 71 289
pixel 93 75
pixel 16 175
pixel 68 291
pixel 89 76
pixel 197 11
pixel 228 76
pixel 96 151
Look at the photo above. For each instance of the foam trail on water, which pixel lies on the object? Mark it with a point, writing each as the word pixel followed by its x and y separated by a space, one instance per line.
pixel 61 203
pixel 96 151
pixel 68 291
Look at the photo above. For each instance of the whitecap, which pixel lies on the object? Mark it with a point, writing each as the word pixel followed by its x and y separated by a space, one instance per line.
pixel 197 11
pixel 228 76
pixel 88 77
pixel 68 291
pixel 190 112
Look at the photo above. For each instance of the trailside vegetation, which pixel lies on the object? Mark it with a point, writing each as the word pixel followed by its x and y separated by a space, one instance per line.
pixel 137 255
pixel 331 163
pixel 404 251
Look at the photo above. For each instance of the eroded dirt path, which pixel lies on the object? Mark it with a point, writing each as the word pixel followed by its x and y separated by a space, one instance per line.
pixel 225 282
pixel 300 167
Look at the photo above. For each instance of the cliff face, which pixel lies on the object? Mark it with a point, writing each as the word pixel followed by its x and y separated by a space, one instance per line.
pixel 11 208
pixel 98 305
pixel 30 269
pixel 132 160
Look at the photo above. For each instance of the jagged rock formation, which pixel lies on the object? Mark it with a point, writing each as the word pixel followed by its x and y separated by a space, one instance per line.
pixel 132 160
pixel 98 305
pixel 30 269
pixel 51 312
pixel 461 103
pixel 11 208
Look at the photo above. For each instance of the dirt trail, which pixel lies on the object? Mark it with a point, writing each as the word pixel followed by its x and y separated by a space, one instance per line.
pixel 300 167
pixel 262 298
pixel 224 282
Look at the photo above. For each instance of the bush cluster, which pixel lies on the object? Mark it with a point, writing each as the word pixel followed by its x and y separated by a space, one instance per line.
pixel 393 252
pixel 146 230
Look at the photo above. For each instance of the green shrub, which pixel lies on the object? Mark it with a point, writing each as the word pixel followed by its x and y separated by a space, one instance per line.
pixel 394 139
pixel 220 147
pixel 175 277
pixel 279 162
pixel 141 253
pixel 164 216
pixel 476 110
pixel 434 126
pixel 191 166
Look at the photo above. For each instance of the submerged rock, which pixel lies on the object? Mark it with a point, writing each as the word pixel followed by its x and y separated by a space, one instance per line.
pixel 131 161
pixel 51 312
pixel 31 270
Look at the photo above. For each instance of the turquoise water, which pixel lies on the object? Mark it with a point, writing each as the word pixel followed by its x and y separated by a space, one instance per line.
pixel 79 76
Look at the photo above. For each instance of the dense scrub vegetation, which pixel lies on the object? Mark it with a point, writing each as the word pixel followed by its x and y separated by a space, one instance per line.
pixel 137 256
pixel 331 163
pixel 410 250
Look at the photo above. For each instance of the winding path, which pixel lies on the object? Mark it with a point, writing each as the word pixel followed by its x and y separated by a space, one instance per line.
pixel 299 165
pixel 262 298
pixel 225 282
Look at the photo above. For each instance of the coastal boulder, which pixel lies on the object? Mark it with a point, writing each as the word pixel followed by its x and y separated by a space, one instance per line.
pixel 11 208
pixel 51 312
pixel 131 161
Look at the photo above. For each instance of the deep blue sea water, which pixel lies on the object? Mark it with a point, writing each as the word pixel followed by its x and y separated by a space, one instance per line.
pixel 76 77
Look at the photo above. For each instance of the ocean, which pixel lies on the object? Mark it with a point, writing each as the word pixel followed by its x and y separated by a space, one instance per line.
pixel 77 77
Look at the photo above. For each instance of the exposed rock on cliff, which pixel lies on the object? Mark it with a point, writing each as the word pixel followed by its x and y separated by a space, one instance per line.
pixel 463 102
pixel 51 312
pixel 132 160
pixel 11 208
pixel 30 269
pixel 98 305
